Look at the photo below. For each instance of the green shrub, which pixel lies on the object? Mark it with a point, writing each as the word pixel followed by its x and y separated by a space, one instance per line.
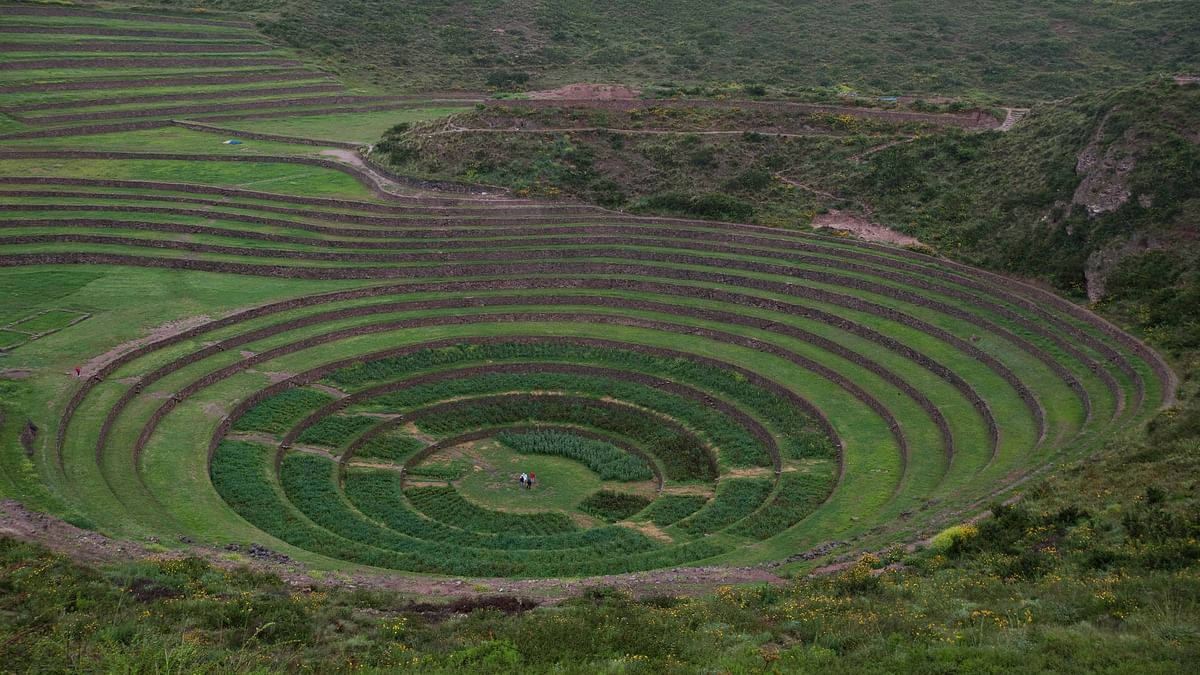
pixel 736 498
pixel 799 494
pixel 606 459
pixel 445 505
pixel 282 411
pixel 506 79
pixel 392 446
pixel 613 506
pixel 951 540
pixel 711 206
pixel 668 509
pixel 336 430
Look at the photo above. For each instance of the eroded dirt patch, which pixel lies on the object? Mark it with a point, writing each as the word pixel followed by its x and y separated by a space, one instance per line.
pixel 163 331
pixel 589 92
pixel 862 228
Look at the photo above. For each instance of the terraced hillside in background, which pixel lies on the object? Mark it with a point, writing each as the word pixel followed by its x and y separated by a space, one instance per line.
pixel 281 344
pixel 66 72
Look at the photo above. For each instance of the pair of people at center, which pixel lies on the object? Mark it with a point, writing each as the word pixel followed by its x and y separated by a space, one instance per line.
pixel 528 479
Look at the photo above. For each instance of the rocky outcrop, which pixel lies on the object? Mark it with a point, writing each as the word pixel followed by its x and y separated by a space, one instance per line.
pixel 1106 170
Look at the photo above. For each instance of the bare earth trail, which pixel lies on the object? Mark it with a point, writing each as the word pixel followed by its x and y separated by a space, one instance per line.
pixel 567 130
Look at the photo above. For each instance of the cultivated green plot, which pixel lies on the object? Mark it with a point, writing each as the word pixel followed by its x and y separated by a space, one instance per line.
pixel 365 127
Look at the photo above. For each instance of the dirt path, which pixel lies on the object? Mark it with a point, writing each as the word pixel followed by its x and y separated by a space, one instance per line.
pixel 595 92
pixel 857 225
pixel 252 437
pixel 1011 117
pixel 325 388
pixel 381 182
pixel 452 129
pixel 878 148
pixel 164 331
pixel 862 228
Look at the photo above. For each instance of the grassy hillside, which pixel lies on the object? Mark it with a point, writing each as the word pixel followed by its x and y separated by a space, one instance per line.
pixel 733 164
pixel 1014 50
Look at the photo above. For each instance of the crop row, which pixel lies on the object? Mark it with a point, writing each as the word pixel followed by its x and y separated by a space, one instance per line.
pixel 234 368
pixel 682 454
pixel 378 494
pixel 736 498
pixel 445 505
pixel 78 12
pixel 144 62
pixel 273 75
pixel 612 506
pixel 759 508
pixel 334 431
pixel 605 458
pixel 798 495
pixel 782 410
pixel 47 29
pixel 163 98
pixel 1033 306
pixel 668 509
pixel 979 290
pixel 136 46
pixel 281 412
pixel 742 440
pixel 241 477
pixel 209 108
pixel 612 268
pixel 392 447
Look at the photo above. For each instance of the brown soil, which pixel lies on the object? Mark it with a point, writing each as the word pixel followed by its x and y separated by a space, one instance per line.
pixel 756 472
pixel 704 490
pixel 592 92
pixel 249 437
pixel 650 530
pixel 15 374
pixel 332 391
pixel 862 228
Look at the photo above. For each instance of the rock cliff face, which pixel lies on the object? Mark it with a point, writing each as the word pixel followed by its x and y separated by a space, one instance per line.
pixel 1101 263
pixel 1106 170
